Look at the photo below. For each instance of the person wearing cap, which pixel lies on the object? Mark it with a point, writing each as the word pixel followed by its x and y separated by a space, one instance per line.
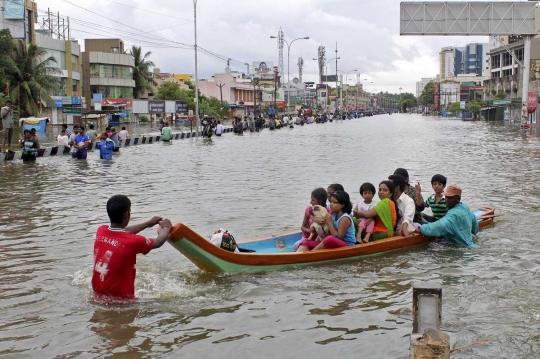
pixel 405 206
pixel 459 223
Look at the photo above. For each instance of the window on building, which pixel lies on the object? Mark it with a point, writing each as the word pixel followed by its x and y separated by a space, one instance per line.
pixel 507 72
pixel 59 57
pixel 74 63
pixel 496 61
pixel 507 59
pixel 111 71
pixel 61 90
pixel 75 83
pixel 519 54
pixel 516 70
pixel 495 74
pixel 113 91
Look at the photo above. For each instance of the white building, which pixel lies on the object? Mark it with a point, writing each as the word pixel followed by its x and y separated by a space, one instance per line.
pixel 421 84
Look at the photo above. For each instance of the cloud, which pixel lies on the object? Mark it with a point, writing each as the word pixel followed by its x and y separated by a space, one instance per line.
pixel 366 32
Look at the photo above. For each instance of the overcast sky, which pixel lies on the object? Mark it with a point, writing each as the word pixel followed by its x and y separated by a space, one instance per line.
pixel 366 32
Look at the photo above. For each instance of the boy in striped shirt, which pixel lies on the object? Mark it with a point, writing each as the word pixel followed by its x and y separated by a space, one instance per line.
pixel 436 201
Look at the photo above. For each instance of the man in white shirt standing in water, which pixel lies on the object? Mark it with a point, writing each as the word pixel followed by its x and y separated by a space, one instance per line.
pixel 219 128
pixel 7 124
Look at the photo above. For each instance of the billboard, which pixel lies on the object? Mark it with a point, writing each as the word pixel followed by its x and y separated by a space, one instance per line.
pixel 14 9
pixel 329 78
pixel 181 107
pixel 263 67
pixel 156 106
pixel 117 102
pixel 481 18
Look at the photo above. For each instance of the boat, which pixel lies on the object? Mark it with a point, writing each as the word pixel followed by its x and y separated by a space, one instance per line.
pixel 276 252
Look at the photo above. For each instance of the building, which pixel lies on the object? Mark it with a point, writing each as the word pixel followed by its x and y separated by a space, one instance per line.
pixel 162 77
pixel 68 60
pixel 354 96
pixel 446 62
pixel 242 96
pixel 107 71
pixel 473 58
pixel 421 84
pixel 505 71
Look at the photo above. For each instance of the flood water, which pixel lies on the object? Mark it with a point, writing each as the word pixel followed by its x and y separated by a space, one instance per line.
pixel 256 185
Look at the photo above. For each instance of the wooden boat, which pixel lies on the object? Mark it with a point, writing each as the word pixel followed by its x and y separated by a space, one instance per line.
pixel 276 252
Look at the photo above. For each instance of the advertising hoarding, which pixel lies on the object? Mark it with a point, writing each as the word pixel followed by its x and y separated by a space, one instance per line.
pixel 117 102
pixel 156 106
pixel 181 107
pixel 531 103
pixel 263 67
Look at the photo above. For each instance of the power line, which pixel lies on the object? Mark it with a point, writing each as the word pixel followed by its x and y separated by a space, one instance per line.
pixel 148 11
pixel 203 50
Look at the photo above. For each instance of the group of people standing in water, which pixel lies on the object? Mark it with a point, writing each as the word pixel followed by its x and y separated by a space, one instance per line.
pixel 397 213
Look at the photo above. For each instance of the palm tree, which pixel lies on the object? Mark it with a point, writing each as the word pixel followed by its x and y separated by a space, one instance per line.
pixel 142 75
pixel 32 78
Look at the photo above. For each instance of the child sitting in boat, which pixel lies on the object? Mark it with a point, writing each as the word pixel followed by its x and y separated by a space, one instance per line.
pixel 384 213
pixel 436 201
pixel 318 197
pixel 367 191
pixel 340 225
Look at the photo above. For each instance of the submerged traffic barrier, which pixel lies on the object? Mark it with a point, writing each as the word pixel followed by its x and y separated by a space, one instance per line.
pixel 427 340
pixel 65 150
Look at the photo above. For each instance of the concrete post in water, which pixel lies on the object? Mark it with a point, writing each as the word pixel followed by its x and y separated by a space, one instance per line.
pixel 427 340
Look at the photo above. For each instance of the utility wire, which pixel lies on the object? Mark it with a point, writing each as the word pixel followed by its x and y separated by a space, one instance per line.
pixel 156 38
pixel 148 11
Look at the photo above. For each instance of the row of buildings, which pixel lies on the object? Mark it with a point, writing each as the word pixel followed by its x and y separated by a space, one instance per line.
pixel 100 78
pixel 484 70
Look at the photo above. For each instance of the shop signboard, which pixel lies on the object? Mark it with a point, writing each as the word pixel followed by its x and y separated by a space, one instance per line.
pixel 156 106
pixel 14 9
pixel 71 110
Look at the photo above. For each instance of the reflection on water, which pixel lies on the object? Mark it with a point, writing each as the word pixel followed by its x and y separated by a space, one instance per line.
pixel 255 185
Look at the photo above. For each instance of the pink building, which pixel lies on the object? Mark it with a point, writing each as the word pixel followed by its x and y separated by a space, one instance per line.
pixel 237 93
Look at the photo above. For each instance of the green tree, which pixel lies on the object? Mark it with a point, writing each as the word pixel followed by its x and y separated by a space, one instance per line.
pixel 455 107
pixel 408 100
pixel 428 94
pixel 32 78
pixel 169 91
pixel 474 107
pixel 142 74
pixel 214 107
pixel 6 63
pixel 500 95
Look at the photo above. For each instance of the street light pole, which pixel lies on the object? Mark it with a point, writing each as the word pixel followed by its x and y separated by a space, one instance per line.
pixel 347 83
pixel 326 79
pixel 196 71
pixel 289 63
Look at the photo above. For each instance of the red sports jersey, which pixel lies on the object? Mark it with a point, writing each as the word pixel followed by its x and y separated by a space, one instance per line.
pixel 115 255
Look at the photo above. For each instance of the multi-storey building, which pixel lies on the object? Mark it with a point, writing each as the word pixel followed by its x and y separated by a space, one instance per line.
pixel 107 70
pixel 421 84
pixel 446 62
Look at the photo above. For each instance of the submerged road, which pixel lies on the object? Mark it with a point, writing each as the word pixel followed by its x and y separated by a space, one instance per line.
pixel 256 185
